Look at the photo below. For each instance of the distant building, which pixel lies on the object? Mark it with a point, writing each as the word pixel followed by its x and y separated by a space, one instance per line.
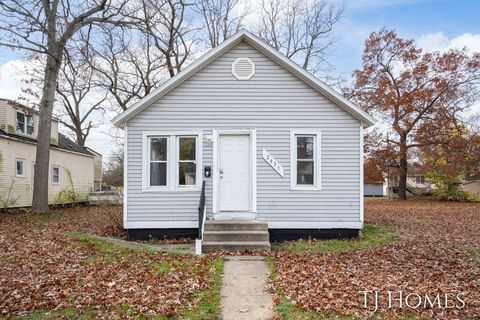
pixel 98 169
pixel 374 182
pixel 72 173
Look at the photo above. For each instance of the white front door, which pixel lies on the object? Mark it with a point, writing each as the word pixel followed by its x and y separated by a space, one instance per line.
pixel 234 172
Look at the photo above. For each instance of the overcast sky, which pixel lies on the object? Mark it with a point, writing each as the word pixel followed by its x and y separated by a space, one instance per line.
pixel 434 24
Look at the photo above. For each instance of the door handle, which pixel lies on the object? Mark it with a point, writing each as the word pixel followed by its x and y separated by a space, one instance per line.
pixel 221 171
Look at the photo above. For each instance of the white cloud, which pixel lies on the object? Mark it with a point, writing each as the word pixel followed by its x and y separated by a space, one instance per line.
pixel 438 41
pixel 369 4
pixel 11 79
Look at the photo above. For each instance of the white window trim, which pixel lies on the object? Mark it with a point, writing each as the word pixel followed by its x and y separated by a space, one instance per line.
pixel 172 163
pixel 23 166
pixel 317 157
pixel 25 123
pixel 177 163
pixel 51 176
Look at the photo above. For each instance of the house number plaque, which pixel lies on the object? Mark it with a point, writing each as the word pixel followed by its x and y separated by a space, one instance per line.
pixel 272 162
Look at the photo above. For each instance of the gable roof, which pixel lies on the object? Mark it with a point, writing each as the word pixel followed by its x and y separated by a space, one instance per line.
pixel 63 143
pixel 261 46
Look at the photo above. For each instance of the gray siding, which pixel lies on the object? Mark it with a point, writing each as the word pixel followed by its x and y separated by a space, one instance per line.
pixel 274 101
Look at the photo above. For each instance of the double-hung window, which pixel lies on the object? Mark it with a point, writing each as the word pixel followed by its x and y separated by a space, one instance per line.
pixel 25 123
pixel 305 160
pixel 187 161
pixel 55 175
pixel 172 161
pixel 20 167
pixel 158 163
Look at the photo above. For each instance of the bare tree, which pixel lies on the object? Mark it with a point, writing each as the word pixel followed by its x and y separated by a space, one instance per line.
pixel 45 27
pixel 166 23
pixel 152 44
pixel 75 87
pixel 301 30
pixel 113 173
pixel 78 98
pixel 126 64
pixel 222 18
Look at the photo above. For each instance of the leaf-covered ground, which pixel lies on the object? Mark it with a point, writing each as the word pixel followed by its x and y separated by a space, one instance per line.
pixel 437 251
pixel 47 265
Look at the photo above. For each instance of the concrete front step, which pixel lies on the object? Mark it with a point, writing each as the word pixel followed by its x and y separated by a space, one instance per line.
pixel 235 245
pixel 235 225
pixel 238 235
pixel 235 235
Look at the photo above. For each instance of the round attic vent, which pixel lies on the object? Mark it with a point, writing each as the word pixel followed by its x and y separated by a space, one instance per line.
pixel 243 69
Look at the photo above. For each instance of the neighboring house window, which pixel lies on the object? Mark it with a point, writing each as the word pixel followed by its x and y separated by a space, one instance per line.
pixel 25 123
pixel 20 168
pixel 187 164
pixel 305 160
pixel 171 161
pixel 55 175
pixel 30 124
pixel 420 179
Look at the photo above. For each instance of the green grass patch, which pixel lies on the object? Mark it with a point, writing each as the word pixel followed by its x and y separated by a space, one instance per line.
pixel 373 235
pixel 66 313
pixel 124 311
pixel 287 310
pixel 103 249
pixel 208 306
pixel 110 252
pixel 474 253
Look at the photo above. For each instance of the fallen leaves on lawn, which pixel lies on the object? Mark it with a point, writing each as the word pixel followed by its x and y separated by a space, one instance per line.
pixel 433 256
pixel 41 267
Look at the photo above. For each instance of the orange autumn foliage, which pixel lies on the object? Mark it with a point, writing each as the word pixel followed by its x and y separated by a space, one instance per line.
pixel 417 95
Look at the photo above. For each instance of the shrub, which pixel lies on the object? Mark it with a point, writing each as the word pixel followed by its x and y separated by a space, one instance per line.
pixel 448 187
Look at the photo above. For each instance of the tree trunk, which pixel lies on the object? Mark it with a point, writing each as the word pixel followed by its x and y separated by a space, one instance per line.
pixel 40 184
pixel 80 138
pixel 402 180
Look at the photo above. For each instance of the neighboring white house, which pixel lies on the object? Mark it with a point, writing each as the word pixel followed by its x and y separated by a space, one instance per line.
pixel 281 146
pixel 71 175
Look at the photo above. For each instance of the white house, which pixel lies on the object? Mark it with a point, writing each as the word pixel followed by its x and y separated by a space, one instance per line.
pixel 275 146
pixel 72 167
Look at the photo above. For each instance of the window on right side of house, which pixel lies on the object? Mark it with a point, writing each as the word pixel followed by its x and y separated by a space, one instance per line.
pixel 305 159
pixel 305 154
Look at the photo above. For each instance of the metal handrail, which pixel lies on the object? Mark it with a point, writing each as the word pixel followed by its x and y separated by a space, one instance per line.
pixel 201 212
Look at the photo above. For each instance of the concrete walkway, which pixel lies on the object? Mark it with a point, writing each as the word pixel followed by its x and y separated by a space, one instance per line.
pixel 182 248
pixel 243 294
